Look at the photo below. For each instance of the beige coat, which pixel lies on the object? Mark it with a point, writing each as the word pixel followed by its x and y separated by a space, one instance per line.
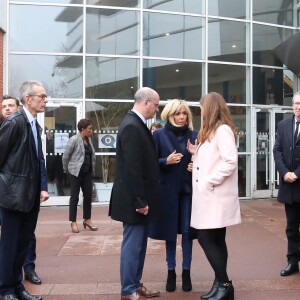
pixel 215 182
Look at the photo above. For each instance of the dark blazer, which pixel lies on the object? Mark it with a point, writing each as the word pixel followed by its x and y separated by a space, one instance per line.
pixel 174 180
pixel 137 173
pixel 287 159
pixel 22 171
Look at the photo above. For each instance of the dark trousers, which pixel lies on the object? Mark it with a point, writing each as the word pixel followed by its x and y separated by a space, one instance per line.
pixel 133 252
pixel 29 264
pixel 292 212
pixel 214 245
pixel 83 181
pixel 16 232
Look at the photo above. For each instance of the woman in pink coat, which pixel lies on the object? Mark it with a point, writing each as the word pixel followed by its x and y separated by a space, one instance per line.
pixel 215 203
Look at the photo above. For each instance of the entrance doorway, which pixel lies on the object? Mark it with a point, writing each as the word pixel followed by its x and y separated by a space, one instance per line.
pixel 265 176
pixel 59 123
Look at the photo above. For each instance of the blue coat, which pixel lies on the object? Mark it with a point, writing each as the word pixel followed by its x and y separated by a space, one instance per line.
pixel 174 180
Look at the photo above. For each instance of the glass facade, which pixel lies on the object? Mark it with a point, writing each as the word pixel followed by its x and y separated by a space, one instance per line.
pixel 93 55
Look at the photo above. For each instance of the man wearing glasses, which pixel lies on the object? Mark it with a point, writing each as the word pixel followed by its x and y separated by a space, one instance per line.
pixel 23 185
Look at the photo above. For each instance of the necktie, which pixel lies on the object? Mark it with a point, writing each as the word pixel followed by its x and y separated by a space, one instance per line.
pixel 34 131
pixel 296 132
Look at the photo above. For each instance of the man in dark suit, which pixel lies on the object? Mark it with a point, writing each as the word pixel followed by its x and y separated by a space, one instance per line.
pixel 23 185
pixel 287 160
pixel 11 105
pixel 134 200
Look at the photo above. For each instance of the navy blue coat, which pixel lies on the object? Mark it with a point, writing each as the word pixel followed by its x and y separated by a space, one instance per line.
pixel 287 159
pixel 174 180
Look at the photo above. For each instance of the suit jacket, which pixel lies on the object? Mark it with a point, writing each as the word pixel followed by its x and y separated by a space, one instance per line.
pixel 287 159
pixel 137 173
pixel 73 156
pixel 22 169
pixel 215 182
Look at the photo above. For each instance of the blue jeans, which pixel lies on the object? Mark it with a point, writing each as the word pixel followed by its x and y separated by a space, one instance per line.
pixel 133 252
pixel 186 242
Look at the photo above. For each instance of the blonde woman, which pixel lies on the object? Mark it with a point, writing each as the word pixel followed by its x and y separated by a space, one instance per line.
pixel 175 188
pixel 215 202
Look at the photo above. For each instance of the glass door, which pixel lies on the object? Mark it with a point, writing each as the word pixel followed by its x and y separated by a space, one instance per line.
pixel 59 123
pixel 264 135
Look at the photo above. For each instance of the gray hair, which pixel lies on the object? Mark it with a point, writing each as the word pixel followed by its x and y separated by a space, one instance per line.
pixel 144 93
pixel 27 88
pixel 296 94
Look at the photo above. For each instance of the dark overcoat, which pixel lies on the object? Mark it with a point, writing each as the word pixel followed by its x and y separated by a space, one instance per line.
pixel 174 179
pixel 137 173
pixel 287 159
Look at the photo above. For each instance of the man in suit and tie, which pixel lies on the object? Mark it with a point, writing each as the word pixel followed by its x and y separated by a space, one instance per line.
pixel 134 200
pixel 287 161
pixel 11 105
pixel 23 185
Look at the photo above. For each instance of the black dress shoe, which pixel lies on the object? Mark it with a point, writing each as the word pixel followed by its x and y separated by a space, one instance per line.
pixel 33 277
pixel 24 295
pixel 10 297
pixel 290 269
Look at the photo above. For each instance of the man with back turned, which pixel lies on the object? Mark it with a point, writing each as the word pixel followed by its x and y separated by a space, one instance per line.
pixel 134 199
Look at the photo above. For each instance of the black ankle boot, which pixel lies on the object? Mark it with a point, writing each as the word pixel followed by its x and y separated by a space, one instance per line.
pixel 171 281
pixel 212 290
pixel 224 291
pixel 186 280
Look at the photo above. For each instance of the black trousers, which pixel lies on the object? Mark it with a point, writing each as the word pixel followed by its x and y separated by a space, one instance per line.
pixel 292 212
pixel 16 231
pixel 214 245
pixel 83 181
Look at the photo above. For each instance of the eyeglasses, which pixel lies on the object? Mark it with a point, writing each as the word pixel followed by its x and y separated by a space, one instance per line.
pixel 42 96
pixel 155 104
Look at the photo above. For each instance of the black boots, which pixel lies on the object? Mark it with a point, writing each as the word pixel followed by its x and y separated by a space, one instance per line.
pixel 186 280
pixel 212 291
pixel 171 281
pixel 223 291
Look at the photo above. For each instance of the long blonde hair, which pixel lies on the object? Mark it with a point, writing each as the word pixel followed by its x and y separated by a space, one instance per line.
pixel 172 108
pixel 214 113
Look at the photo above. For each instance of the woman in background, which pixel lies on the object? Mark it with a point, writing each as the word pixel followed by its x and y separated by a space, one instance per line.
pixel 79 161
pixel 175 188
pixel 215 202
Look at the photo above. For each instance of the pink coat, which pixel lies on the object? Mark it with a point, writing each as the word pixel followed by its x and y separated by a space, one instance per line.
pixel 215 182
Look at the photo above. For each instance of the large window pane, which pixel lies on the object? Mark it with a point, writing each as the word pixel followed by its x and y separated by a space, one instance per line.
pixel 229 81
pixel 272 86
pixel 53 1
pixel 111 78
pixel 228 8
pixel 265 40
pixel 121 3
pixel 273 11
pixel 173 36
pixel 173 79
pixel 111 31
pixel 61 75
pixel 45 28
pixel 186 6
pixel 226 40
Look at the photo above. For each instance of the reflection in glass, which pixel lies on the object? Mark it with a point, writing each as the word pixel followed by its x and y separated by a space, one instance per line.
pixel 273 11
pixel 111 78
pixel 244 175
pixel 227 8
pixel 60 125
pixel 268 86
pixel 49 28
pixel 175 36
pixel 61 75
pixel 53 1
pixel 265 40
pixel 173 79
pixel 226 40
pixel 127 3
pixel 229 81
pixel 111 31
pixel 185 6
